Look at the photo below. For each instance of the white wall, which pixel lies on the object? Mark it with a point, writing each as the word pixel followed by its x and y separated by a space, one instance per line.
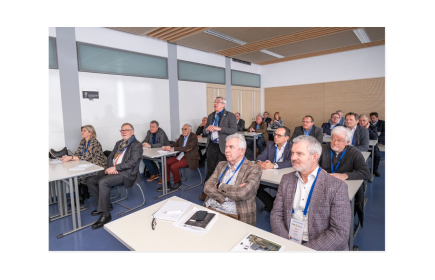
pixel 55 116
pixel 253 68
pixel 193 103
pixel 52 31
pixel 124 99
pixel 196 56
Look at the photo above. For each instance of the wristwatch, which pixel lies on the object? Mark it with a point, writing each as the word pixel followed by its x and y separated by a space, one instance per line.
pixel 275 166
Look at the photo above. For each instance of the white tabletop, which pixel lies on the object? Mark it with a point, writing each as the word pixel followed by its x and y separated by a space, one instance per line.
pixel 61 171
pixel 202 140
pixel 365 155
pixel 247 133
pixel 134 231
pixel 153 153
pixel 271 129
pixel 273 176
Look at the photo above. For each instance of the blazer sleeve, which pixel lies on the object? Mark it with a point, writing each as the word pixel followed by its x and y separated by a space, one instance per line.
pixel 319 134
pixel 360 168
pixel 133 160
pixel 294 134
pixel 364 140
pixel 373 132
pixel 95 151
pixel 339 223
pixel 252 180
pixel 210 188
pixel 265 154
pixel 232 125
pixel 79 149
pixel 277 215
pixel 192 144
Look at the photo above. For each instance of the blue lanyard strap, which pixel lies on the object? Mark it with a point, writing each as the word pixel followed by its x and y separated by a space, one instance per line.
pixel 216 120
pixel 338 164
pixel 83 148
pixel 309 196
pixel 233 173
pixel 276 152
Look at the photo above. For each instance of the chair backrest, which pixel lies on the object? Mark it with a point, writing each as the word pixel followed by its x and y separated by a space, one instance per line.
pixel 107 153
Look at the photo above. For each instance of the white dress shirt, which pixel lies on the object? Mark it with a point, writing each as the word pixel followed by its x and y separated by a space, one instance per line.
pixel 352 132
pixel 279 154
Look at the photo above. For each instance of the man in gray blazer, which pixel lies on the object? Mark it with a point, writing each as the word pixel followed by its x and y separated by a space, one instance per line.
pixel 326 219
pixel 240 122
pixel 360 135
pixel 308 128
pixel 220 124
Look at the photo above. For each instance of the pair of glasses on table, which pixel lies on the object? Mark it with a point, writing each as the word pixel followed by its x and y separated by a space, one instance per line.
pixel 154 221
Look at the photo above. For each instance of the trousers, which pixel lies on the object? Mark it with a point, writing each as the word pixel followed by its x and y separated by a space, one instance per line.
pixel 214 156
pixel 100 186
pixel 173 165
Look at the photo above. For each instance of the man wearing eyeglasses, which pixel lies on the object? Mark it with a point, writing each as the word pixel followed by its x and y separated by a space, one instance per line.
pixel 220 124
pixel 333 122
pixel 122 169
pixel 187 144
pixel 308 128
pixel 276 155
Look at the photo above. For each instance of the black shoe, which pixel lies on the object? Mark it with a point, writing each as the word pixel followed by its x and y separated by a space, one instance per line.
pixel 176 186
pixel 377 174
pixel 101 221
pixel 160 189
pixel 96 213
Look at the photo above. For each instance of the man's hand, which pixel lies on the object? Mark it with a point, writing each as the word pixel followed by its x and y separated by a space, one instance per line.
pixel 251 130
pixel 66 158
pixel 166 148
pixel 242 185
pixel 268 165
pixel 199 136
pixel 146 145
pixel 111 170
pixel 367 125
pixel 341 176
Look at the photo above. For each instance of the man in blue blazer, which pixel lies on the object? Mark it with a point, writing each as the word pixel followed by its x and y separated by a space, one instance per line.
pixel 276 155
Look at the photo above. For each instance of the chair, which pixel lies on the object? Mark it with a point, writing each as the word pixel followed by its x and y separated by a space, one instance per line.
pixel 185 178
pixel 136 183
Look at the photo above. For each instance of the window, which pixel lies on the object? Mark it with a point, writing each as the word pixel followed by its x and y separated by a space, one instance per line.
pixel 52 53
pixel 188 71
pixel 239 78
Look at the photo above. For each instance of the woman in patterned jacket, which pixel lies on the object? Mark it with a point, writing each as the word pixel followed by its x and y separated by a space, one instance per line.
pixel 91 151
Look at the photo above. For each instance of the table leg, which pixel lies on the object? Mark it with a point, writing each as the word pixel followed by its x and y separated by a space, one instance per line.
pixel 58 185
pixel 373 160
pixel 164 181
pixel 79 220
pixel 65 204
pixel 73 208
pixel 352 223
pixel 255 148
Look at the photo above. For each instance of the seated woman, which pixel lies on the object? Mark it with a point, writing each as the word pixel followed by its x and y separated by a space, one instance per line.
pixel 276 123
pixel 91 151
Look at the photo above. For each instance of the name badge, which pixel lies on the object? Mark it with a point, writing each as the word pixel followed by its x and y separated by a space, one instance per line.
pixel 296 231
pixel 180 156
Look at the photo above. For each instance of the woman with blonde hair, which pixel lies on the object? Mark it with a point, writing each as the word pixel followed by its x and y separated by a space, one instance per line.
pixel 277 122
pixel 91 151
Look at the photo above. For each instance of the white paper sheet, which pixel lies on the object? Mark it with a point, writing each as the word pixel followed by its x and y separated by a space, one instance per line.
pixel 172 205
pixel 80 167
pixel 162 152
pixel 55 161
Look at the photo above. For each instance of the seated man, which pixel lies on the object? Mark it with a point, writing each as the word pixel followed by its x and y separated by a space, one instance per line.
pixel 240 122
pixel 266 118
pixel 187 144
pixel 373 135
pixel 333 122
pixel 342 121
pixel 200 130
pixel 315 201
pixel 122 168
pixel 359 135
pixel 258 126
pixel 232 187
pixel 156 137
pixel 276 155
pixel 380 125
pixel 308 128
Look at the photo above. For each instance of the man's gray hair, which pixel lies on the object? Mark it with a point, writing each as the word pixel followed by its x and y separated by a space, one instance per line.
pixel 190 127
pixel 343 131
pixel 362 116
pixel 314 146
pixel 154 121
pixel 132 128
pixel 242 141
pixel 223 99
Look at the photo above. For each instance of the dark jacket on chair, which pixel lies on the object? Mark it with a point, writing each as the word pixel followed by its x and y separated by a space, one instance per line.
pixel 190 149
pixel 129 167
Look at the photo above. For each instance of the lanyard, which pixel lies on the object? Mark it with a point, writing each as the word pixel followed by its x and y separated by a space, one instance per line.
pixel 216 120
pixel 309 196
pixel 338 164
pixel 83 148
pixel 276 152
pixel 233 173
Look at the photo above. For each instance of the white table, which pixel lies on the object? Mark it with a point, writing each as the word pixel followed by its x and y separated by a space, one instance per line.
pixel 60 174
pixel 134 231
pixel 272 177
pixel 153 154
pixel 202 141
pixel 247 134
pixel 365 155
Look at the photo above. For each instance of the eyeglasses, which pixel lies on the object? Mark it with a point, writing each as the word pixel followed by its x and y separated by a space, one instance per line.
pixel 306 121
pixel 153 224
pixel 339 141
pixel 184 129
pixel 217 102
pixel 278 135
pixel 125 130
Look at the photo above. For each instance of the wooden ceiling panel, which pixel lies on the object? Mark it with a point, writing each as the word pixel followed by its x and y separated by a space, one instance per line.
pixel 205 42
pixel 375 33
pixel 333 41
pixel 253 34
pixel 135 30
pixel 254 57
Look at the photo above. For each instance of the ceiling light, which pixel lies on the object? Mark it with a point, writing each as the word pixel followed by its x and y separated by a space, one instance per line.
pixel 362 35
pixel 225 37
pixel 272 53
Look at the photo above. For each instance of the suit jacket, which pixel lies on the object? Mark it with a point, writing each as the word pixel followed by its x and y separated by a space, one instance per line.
pixel 262 130
pixel 228 126
pixel 381 128
pixel 200 130
pixel 249 173
pixel 329 216
pixel 361 139
pixel 241 125
pixel 129 167
pixel 326 127
pixel 269 154
pixel 162 139
pixel 316 132
pixel 190 149
pixel 373 132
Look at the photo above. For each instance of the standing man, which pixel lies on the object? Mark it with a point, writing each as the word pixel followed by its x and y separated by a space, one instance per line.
pixel 266 118
pixel 122 169
pixel 308 128
pixel 380 125
pixel 359 135
pixel 232 187
pixel 277 155
pixel 240 122
pixel 333 122
pixel 200 130
pixel 342 120
pixel 220 124
pixel 311 207
pixel 373 135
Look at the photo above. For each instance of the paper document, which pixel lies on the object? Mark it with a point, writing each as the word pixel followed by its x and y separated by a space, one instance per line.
pixel 252 133
pixel 81 167
pixel 253 242
pixel 181 222
pixel 174 210
pixel 162 152
pixel 55 161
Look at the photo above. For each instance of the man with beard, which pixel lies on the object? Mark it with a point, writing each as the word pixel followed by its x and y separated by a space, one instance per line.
pixel 311 207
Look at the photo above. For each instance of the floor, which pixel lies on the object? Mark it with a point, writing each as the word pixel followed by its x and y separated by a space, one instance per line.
pixel 369 238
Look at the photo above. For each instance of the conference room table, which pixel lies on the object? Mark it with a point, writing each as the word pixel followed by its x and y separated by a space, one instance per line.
pixel 249 135
pixel 154 154
pixel 61 175
pixel 272 177
pixel 202 141
pixel 135 232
